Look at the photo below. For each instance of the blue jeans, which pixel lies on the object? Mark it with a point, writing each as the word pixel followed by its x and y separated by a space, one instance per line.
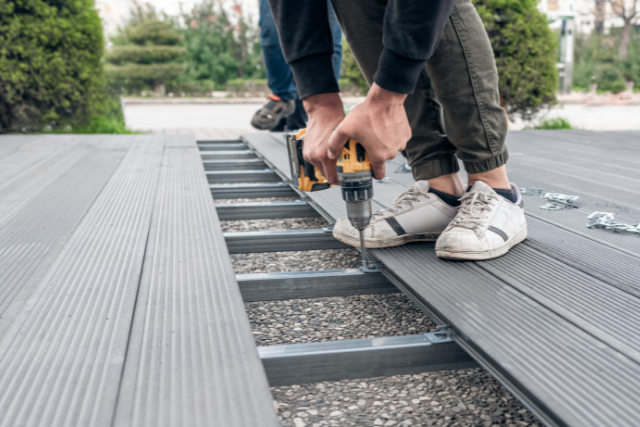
pixel 279 75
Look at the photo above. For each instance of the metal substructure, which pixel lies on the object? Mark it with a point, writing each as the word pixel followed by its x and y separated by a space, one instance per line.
pixel 239 172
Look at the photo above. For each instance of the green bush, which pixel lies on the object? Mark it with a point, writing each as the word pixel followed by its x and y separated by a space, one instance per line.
pixel 154 32
pixel 597 61
pixel 526 52
pixel 351 70
pixel 145 72
pixel 553 124
pixel 50 64
pixel 144 54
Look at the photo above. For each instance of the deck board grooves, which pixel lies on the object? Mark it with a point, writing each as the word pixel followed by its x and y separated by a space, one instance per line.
pixel 213 356
pixel 88 282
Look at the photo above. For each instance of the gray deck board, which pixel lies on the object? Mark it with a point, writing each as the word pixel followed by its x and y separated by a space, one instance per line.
pixel 557 318
pixel 62 355
pixel 91 228
pixel 192 359
pixel 36 226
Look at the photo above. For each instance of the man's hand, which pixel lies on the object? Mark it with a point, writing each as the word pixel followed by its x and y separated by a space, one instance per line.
pixel 379 123
pixel 325 113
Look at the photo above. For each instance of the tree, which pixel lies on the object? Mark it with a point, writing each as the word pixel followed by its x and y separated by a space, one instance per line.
pixel 628 11
pixel 526 53
pixel 50 64
pixel 221 44
pixel 147 52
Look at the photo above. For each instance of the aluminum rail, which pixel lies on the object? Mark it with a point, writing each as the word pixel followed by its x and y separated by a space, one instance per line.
pixel 266 210
pixel 312 284
pixel 241 176
pixel 234 164
pixel 340 360
pixel 251 191
pixel 281 241
pixel 231 154
pixel 222 146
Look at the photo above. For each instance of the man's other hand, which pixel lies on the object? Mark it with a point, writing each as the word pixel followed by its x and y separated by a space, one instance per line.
pixel 325 113
pixel 379 123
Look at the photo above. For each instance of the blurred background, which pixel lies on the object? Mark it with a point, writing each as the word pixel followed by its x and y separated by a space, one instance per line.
pixel 117 66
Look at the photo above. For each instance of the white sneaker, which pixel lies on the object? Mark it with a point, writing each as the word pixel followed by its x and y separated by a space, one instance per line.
pixel 487 226
pixel 415 216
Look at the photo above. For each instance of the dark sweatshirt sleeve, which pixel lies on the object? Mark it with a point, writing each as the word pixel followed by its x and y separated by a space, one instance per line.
pixel 412 30
pixel 307 44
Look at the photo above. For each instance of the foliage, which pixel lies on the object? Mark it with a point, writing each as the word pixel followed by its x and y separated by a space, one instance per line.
pixel 597 61
pixel 154 32
pixel 145 53
pixel 50 64
pixel 553 124
pixel 351 70
pixel 221 46
pixel 525 51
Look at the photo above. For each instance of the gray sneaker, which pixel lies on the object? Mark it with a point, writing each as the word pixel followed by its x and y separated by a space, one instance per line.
pixel 487 226
pixel 415 216
pixel 272 112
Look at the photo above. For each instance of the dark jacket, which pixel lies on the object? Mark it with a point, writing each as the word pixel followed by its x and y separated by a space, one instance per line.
pixel 412 30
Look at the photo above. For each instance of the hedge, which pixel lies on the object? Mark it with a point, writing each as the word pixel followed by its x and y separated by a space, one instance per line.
pixel 154 32
pixel 161 72
pixel 50 68
pixel 144 54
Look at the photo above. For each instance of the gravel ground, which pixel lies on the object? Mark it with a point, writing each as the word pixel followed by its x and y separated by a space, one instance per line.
pixel 446 398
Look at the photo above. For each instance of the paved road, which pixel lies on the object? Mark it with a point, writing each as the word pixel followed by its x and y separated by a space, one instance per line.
pixel 173 118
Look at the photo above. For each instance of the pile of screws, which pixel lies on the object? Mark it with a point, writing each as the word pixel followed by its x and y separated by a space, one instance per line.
pixel 557 201
pixel 605 220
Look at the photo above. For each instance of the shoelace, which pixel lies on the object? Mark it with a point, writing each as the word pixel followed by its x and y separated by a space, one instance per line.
pixel 407 198
pixel 473 205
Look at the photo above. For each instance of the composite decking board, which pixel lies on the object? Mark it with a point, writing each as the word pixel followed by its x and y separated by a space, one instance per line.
pixel 606 312
pixel 560 368
pixel 192 359
pixel 62 357
pixel 32 238
pixel 33 181
pixel 33 154
pixel 591 257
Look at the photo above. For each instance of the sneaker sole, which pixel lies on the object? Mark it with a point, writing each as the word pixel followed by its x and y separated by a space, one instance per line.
pixel 286 113
pixel 488 254
pixel 370 243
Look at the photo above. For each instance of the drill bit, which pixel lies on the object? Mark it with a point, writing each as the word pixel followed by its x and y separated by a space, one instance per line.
pixel 363 249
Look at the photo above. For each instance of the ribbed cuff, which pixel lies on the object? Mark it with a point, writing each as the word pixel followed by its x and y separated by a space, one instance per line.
pixel 397 73
pixel 488 164
pixel 434 168
pixel 314 75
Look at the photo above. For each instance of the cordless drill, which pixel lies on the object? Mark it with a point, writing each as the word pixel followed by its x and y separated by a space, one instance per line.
pixel 354 171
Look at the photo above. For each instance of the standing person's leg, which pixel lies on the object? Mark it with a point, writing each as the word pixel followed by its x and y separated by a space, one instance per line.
pixel 281 102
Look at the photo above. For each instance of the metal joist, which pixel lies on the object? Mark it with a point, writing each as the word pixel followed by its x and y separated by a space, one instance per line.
pixel 231 154
pixel 237 176
pixel 282 240
pixel 311 284
pixel 225 146
pixel 340 360
pixel 266 210
pixel 251 191
pixel 234 164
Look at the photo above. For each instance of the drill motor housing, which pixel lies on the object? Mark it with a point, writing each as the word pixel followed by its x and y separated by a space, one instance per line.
pixel 353 168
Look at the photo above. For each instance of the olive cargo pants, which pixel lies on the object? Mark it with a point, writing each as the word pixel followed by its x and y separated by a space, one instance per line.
pixel 457 90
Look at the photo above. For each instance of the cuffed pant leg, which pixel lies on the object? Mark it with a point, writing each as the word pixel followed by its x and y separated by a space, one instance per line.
pixel 465 80
pixel 429 152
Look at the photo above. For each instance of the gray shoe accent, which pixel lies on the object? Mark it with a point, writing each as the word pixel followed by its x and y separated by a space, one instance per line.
pixel 499 232
pixel 395 225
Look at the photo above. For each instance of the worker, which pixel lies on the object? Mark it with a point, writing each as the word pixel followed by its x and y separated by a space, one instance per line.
pixel 283 109
pixel 434 96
